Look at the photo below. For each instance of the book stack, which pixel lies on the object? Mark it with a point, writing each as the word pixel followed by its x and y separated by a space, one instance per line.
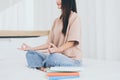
pixel 64 73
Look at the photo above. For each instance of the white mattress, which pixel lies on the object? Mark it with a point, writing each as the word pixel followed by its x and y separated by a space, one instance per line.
pixel 13 64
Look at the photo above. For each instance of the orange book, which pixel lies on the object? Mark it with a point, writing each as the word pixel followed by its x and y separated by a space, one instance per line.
pixel 63 74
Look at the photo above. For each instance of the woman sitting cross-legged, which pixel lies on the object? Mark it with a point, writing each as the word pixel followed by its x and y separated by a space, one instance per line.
pixel 63 45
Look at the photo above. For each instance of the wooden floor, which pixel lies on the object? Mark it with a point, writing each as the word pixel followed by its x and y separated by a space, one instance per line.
pixel 18 34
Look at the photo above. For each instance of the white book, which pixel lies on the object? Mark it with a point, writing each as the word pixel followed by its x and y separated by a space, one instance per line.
pixel 65 69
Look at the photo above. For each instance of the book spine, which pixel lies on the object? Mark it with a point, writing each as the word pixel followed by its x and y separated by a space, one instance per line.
pixel 63 74
pixel 63 77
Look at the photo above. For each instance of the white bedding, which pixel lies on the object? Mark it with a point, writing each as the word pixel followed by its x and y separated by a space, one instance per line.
pixel 13 65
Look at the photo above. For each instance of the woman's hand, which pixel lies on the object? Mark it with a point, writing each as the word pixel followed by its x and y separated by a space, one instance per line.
pixel 25 47
pixel 52 48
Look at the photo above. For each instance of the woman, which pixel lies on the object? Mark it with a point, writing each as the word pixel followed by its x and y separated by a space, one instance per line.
pixel 63 43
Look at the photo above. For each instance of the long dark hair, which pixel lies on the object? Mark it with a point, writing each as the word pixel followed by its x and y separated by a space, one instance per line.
pixel 67 7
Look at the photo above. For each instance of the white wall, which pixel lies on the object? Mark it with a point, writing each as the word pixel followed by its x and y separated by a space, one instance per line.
pixel 27 14
pixel 112 29
pixel 100 28
pixel 16 15
pixel 45 13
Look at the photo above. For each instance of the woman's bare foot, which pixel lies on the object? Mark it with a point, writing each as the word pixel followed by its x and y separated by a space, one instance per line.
pixel 42 69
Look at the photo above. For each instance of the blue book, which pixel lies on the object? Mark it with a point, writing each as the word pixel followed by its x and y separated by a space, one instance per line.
pixel 63 77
